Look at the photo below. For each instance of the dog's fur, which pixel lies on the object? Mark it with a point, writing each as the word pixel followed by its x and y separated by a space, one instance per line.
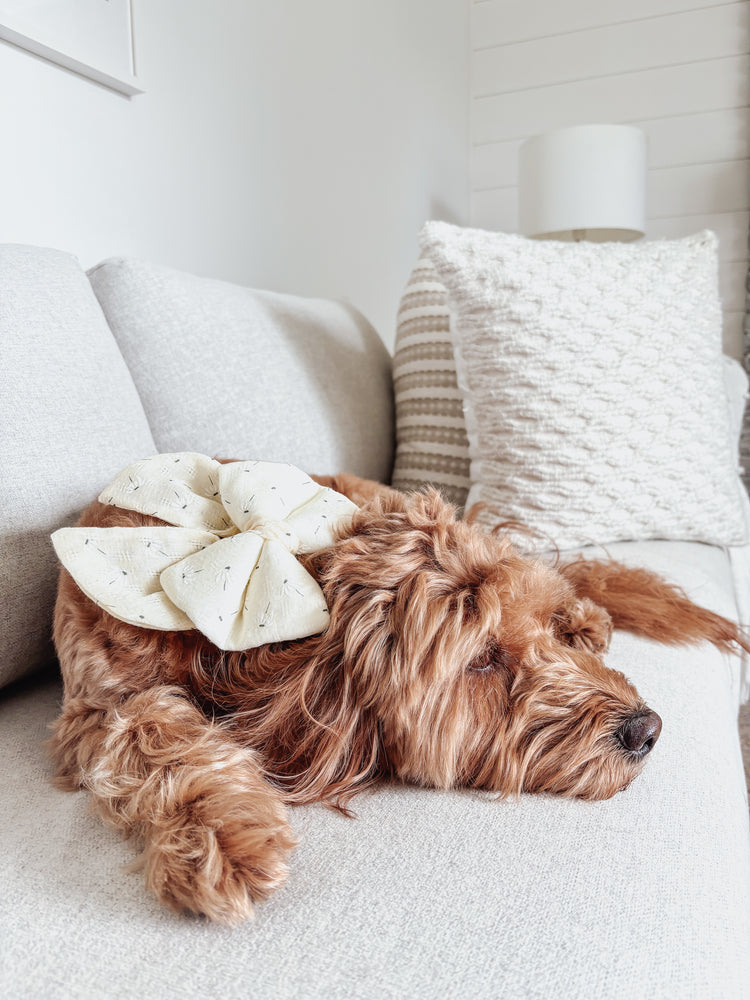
pixel 450 660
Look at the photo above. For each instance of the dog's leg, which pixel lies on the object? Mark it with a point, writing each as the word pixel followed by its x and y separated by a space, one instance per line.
pixel 641 602
pixel 215 832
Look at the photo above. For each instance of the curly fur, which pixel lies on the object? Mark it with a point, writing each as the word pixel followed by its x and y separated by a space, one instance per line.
pixel 450 660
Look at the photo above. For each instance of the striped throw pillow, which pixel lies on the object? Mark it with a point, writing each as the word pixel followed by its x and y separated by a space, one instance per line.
pixel 431 443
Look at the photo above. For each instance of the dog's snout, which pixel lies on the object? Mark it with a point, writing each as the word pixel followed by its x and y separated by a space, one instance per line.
pixel 639 733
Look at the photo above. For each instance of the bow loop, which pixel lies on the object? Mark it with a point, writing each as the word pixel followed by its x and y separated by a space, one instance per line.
pixel 120 569
pixel 182 488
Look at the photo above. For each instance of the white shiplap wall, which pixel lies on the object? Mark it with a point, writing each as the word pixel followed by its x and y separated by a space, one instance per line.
pixel 678 69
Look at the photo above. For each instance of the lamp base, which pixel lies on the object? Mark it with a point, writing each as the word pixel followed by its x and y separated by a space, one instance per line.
pixel 592 235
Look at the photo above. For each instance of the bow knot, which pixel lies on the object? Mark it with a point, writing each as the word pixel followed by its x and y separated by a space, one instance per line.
pixel 226 565
pixel 279 531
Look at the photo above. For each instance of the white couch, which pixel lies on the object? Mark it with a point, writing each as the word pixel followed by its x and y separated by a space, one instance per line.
pixel 425 894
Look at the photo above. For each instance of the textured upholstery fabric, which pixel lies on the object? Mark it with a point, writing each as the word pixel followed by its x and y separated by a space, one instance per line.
pixel 70 418
pixel 238 373
pixel 426 894
pixel 592 384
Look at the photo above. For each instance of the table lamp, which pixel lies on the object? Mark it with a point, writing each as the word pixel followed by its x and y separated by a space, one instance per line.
pixel 587 182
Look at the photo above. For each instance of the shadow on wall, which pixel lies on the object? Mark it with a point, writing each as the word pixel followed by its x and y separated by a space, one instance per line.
pixel 440 211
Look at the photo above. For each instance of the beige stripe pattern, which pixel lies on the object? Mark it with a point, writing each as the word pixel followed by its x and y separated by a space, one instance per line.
pixel 431 443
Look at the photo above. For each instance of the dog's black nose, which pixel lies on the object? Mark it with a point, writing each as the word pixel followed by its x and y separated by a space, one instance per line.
pixel 639 733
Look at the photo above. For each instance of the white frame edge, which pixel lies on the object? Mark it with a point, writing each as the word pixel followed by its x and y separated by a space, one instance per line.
pixel 125 84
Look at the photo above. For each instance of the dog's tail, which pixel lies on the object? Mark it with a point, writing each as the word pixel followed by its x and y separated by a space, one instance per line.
pixel 641 602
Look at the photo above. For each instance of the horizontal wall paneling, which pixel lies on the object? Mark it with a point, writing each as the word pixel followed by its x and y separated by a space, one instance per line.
pixel 498 22
pixel 657 93
pixel 693 36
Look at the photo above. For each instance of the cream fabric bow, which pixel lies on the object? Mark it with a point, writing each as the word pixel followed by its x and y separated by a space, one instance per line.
pixel 228 565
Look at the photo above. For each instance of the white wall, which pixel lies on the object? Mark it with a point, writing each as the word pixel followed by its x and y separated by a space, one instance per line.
pixel 284 144
pixel 678 69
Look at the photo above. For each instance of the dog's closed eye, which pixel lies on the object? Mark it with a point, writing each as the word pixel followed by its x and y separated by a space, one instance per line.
pixel 492 659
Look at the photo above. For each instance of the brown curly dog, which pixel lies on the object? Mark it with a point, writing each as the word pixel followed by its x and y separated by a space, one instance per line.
pixel 450 660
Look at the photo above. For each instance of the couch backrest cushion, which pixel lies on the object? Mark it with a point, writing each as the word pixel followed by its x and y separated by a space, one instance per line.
pixel 233 372
pixel 70 418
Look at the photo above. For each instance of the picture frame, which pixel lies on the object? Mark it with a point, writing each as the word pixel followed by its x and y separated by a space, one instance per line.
pixel 93 38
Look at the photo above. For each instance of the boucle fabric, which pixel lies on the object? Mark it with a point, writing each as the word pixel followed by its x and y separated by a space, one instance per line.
pixel 593 386
pixel 70 417
pixel 235 372
pixel 426 893
pixel 431 443
pixel 226 563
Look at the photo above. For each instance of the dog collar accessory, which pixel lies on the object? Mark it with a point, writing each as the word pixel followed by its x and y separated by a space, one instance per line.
pixel 227 564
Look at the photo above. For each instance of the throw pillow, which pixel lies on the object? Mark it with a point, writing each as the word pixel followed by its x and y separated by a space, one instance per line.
pixel 592 384
pixel 431 443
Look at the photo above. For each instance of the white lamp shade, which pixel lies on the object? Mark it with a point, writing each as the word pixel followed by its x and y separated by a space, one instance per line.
pixel 586 182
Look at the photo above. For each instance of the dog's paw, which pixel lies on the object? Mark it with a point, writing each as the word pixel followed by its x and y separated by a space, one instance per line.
pixel 218 867
pixel 217 834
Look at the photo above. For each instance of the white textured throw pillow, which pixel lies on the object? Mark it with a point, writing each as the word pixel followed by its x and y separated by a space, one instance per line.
pixel 592 383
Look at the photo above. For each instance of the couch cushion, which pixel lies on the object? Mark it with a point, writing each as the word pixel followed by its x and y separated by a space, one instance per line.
pixel 71 418
pixel 233 372
pixel 426 894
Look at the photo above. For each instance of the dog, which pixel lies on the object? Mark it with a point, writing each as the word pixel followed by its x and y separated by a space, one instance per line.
pixel 450 660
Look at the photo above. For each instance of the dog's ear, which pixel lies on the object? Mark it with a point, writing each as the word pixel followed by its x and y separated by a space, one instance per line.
pixel 318 743
pixel 641 602
pixel 408 592
pixel 325 696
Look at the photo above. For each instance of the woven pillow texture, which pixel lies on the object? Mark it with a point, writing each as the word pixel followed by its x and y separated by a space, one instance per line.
pixel 592 385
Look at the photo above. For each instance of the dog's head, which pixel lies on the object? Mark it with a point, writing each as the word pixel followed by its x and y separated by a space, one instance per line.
pixel 450 660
